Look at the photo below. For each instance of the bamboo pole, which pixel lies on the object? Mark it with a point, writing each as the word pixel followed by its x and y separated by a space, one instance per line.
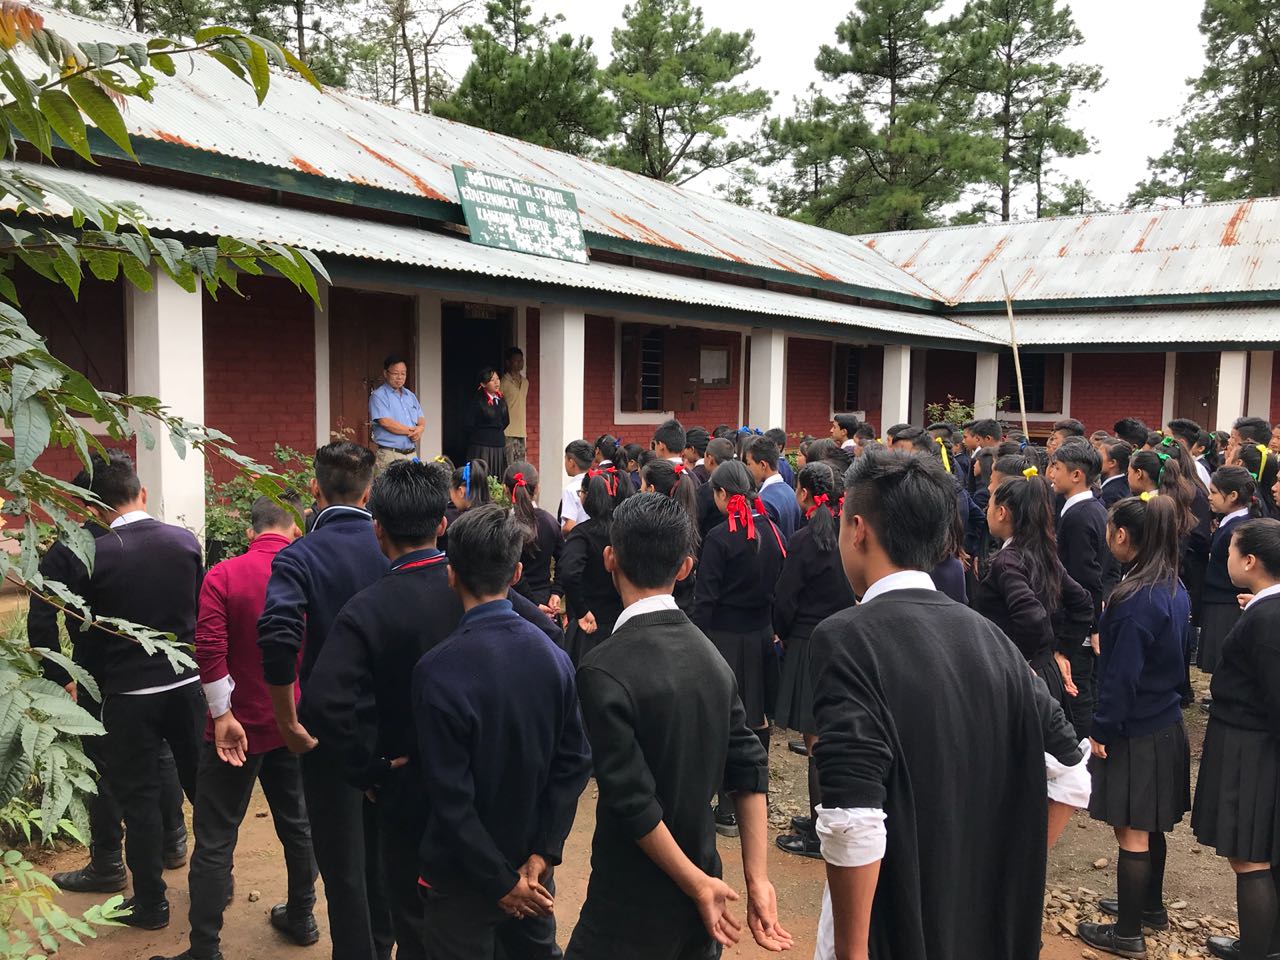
pixel 1017 360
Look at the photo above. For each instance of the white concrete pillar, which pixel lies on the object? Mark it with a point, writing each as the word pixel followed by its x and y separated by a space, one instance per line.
pixel 1261 363
pixel 986 386
pixel 324 418
pixel 166 360
pixel 895 404
pixel 919 361
pixel 1170 385
pixel 430 373
pixel 562 341
pixel 1232 375
pixel 766 406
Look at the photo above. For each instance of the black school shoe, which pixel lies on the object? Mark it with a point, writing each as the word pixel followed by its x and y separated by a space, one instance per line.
pixel 1102 936
pixel 103 874
pixel 1228 948
pixel 1157 920
pixel 303 932
pixel 188 955
pixel 801 844
pixel 802 825
pixel 797 746
pixel 152 916
pixel 726 823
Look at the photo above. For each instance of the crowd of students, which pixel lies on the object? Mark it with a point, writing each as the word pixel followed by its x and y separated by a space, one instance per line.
pixel 974 635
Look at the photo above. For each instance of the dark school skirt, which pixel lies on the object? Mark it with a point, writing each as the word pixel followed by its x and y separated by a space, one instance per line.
pixel 795 695
pixel 744 652
pixel 1145 782
pixel 1216 621
pixel 495 458
pixel 1236 796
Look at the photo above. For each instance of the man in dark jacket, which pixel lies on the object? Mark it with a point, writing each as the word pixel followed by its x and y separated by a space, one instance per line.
pixel 358 695
pixel 149 573
pixel 311 580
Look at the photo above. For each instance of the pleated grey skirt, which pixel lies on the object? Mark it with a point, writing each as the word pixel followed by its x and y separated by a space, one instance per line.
pixel 795 695
pixel 1236 805
pixel 744 652
pixel 1145 782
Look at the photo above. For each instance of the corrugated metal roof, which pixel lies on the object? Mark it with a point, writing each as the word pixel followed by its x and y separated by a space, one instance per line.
pixel 182 211
pixel 347 138
pixel 1214 248
pixel 1212 325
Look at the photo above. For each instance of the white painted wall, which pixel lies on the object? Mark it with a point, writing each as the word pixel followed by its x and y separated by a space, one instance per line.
pixel 986 386
pixel 430 371
pixel 1261 363
pixel 1232 375
pixel 324 419
pixel 767 403
pixel 897 387
pixel 561 359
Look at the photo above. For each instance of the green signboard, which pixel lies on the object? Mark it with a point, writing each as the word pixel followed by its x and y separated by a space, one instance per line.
pixel 513 214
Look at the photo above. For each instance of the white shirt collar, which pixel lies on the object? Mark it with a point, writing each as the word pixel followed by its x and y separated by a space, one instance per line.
pixel 663 601
pixel 1080 497
pixel 1242 512
pixel 133 516
pixel 702 462
pixel 1107 480
pixel 675 459
pixel 1271 591
pixel 902 580
pixel 770 481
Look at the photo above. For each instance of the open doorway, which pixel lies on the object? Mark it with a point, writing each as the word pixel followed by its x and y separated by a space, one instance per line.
pixel 473 335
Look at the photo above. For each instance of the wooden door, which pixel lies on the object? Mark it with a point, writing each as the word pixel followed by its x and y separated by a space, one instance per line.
pixel 681 369
pixel 364 329
pixel 1195 388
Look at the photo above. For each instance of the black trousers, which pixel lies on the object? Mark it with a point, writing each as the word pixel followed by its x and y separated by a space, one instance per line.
pixel 472 927
pixel 399 811
pixel 222 797
pixel 137 729
pixel 1082 666
pixel 651 937
pixel 344 834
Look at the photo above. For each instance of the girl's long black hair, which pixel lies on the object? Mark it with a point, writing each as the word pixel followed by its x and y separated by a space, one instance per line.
pixel 663 476
pixel 1029 501
pixel 820 480
pixel 1153 529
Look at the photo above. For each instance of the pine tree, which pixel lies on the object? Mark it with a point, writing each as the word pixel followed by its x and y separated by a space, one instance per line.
pixel 1190 171
pixel 528 84
pixel 678 89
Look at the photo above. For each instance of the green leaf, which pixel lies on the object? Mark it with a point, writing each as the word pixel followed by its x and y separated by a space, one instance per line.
pixel 137 246
pixel 137 54
pixel 136 273
pixel 41 263
pixel 68 269
pixel 99 53
pixel 31 429
pixel 259 71
pixel 103 264
pixel 7 288
pixel 82 677
pixel 164 63
pixel 170 252
pixel 205 34
pixel 64 117
pixel 100 108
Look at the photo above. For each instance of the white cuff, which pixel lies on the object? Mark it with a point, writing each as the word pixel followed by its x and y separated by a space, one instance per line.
pixel 852 837
pixel 218 695
pixel 1070 785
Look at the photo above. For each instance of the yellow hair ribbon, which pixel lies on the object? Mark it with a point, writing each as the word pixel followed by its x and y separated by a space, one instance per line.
pixel 1262 464
pixel 1031 472
pixel 1148 495
pixel 942 446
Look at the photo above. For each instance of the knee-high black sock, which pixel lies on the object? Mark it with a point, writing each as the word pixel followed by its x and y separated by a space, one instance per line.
pixel 764 733
pixel 1275 928
pixel 815 792
pixel 1133 875
pixel 1157 849
pixel 1256 906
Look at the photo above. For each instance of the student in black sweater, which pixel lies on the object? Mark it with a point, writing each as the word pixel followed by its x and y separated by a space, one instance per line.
pixel 149 573
pixel 359 689
pixel 1082 548
pixel 733 598
pixel 1141 763
pixel 543 541
pixel 718 451
pixel 655 891
pixel 1115 455
pixel 504 758
pixel 933 849
pixel 675 481
pixel 812 587
pixel 1239 785
pixel 485 420
pixel 1232 499
pixel 588 589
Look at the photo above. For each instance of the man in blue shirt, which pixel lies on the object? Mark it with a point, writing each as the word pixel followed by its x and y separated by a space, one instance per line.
pixel 395 414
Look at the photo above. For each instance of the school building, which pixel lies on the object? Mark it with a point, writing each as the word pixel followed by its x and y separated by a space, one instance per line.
pixel 686 305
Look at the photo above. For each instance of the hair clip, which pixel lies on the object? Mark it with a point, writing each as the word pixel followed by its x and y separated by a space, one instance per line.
pixel 1262 464
pixel 441 459
pixel 942 446
pixel 1168 442
pixel 1031 472
pixel 1148 495
pixel 518 481
pixel 466 477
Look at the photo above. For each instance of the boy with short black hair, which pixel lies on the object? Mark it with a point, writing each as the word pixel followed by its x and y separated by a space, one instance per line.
pixel 695 451
pixel 1115 455
pixel 1187 432
pixel 1062 430
pixel 669 441
pixel 578 457
pixel 760 454
pixel 655 891
pixel 503 758
pixel 719 450
pixel 844 427
pixel 1082 548
pixel 1132 431
pixel 904 437
pixel 779 437
pixel 864 435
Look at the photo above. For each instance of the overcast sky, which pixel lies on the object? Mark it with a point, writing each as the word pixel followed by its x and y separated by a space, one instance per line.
pixel 1147 49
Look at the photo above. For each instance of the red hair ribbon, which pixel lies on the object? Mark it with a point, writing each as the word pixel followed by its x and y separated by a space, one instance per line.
pixel 821 500
pixel 678 467
pixel 740 513
pixel 610 479
pixel 518 481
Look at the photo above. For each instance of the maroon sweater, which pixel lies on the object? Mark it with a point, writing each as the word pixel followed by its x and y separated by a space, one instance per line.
pixel 231 601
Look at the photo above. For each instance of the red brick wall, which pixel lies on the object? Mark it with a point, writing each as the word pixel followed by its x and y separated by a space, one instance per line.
pixel 808 400
pixel 949 373
pixel 531 363
pixel 260 368
pixel 63 463
pixel 1108 386
pixel 1275 388
pixel 715 404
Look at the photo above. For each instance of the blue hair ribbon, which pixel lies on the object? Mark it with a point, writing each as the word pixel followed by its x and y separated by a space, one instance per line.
pixel 466 477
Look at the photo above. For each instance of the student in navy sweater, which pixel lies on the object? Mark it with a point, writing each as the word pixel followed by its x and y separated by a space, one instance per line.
pixel 1082 548
pixel 311 580
pixel 1141 763
pixel 502 770
pixel 761 456
pixel 543 539
pixel 1239 784
pixel 1115 471
pixel 1232 498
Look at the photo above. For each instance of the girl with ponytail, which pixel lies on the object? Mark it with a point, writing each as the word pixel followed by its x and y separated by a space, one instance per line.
pixel 543 540
pixel 1263 465
pixel 1026 592
pixel 468 487
pixel 594 604
pixel 813 586
pixel 1141 762
pixel 675 481
pixel 733 598
pixel 1232 495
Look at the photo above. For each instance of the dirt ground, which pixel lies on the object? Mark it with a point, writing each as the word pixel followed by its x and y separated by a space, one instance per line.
pixel 1194 875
